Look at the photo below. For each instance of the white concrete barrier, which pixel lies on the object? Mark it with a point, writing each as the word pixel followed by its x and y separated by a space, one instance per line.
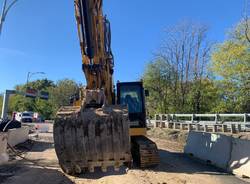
pixel 212 148
pixel 40 127
pixel 226 152
pixel 18 135
pixel 3 148
pixel 239 163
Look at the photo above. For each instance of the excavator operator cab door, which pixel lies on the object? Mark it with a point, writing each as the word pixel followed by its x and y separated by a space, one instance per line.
pixel 132 95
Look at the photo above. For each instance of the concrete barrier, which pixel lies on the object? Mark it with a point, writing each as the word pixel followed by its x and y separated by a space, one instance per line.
pixel 239 163
pixel 18 135
pixel 3 148
pixel 40 127
pixel 226 152
pixel 212 148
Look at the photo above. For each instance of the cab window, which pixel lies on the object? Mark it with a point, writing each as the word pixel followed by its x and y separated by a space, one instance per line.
pixel 131 96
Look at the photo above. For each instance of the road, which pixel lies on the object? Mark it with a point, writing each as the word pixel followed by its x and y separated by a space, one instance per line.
pixel 175 168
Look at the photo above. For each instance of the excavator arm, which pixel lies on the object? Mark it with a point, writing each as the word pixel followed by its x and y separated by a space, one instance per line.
pixel 95 42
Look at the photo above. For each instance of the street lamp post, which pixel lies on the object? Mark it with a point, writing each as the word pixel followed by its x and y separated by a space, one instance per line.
pixel 4 12
pixel 30 74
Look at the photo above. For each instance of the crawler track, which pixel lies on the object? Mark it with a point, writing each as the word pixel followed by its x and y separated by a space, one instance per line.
pixel 145 152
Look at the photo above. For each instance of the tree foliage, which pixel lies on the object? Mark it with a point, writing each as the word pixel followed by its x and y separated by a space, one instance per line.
pixel 61 94
pixel 231 62
pixel 157 79
pixel 177 78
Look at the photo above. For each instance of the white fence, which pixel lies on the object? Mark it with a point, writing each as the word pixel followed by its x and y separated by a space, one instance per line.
pixel 204 122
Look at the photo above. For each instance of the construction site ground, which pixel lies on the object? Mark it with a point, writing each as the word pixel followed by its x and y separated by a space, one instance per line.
pixel 40 166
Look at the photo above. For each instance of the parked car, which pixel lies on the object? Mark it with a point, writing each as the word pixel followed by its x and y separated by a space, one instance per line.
pixel 24 117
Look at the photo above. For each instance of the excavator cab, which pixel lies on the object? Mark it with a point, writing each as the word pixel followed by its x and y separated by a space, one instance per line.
pixel 144 151
pixel 132 95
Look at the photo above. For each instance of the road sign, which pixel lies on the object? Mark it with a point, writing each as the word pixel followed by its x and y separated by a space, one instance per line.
pixel 44 95
pixel 31 93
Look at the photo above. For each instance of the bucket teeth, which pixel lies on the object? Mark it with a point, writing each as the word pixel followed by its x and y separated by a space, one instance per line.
pixel 91 169
pixel 104 168
pixel 78 169
pixel 66 169
pixel 117 169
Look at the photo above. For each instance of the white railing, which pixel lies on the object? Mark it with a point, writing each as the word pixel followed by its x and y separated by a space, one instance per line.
pixel 204 122
pixel 198 118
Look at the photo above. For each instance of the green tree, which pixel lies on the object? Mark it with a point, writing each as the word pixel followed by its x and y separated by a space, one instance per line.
pixel 208 97
pixel 19 103
pixel 38 85
pixel 61 93
pixel 45 108
pixel 177 76
pixel 157 79
pixel 231 61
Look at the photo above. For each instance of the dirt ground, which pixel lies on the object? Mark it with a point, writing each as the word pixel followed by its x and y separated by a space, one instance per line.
pixel 175 167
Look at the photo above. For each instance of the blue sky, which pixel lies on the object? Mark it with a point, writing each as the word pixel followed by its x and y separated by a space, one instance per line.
pixel 41 35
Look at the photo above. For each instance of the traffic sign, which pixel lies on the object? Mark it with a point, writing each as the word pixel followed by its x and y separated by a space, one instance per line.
pixel 31 93
pixel 44 95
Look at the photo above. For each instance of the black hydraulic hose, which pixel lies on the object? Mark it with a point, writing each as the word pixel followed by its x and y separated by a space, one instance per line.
pixel 82 28
pixel 87 27
pixel 107 41
pixel 107 33
pixel 6 125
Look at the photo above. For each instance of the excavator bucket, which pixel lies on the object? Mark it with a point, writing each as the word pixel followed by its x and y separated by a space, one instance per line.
pixel 89 138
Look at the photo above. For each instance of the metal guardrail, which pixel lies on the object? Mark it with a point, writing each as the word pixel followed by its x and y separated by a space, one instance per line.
pixel 233 123
pixel 217 118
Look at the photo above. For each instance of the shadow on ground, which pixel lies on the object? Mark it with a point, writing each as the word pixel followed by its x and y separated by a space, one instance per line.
pixel 170 162
pixel 173 162
pixel 34 145
pixel 31 175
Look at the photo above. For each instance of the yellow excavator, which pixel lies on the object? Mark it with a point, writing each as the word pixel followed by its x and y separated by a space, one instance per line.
pixel 105 126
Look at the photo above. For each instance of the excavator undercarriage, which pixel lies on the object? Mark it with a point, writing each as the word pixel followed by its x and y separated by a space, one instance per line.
pixel 144 152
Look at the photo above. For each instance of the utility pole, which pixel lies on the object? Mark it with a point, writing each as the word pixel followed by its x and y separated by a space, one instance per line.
pixel 7 94
pixel 5 9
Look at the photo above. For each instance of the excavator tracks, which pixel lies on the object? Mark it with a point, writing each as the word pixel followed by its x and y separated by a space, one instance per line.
pixel 144 151
pixel 90 138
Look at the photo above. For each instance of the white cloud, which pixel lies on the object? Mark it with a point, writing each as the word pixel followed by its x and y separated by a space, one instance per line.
pixel 12 52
